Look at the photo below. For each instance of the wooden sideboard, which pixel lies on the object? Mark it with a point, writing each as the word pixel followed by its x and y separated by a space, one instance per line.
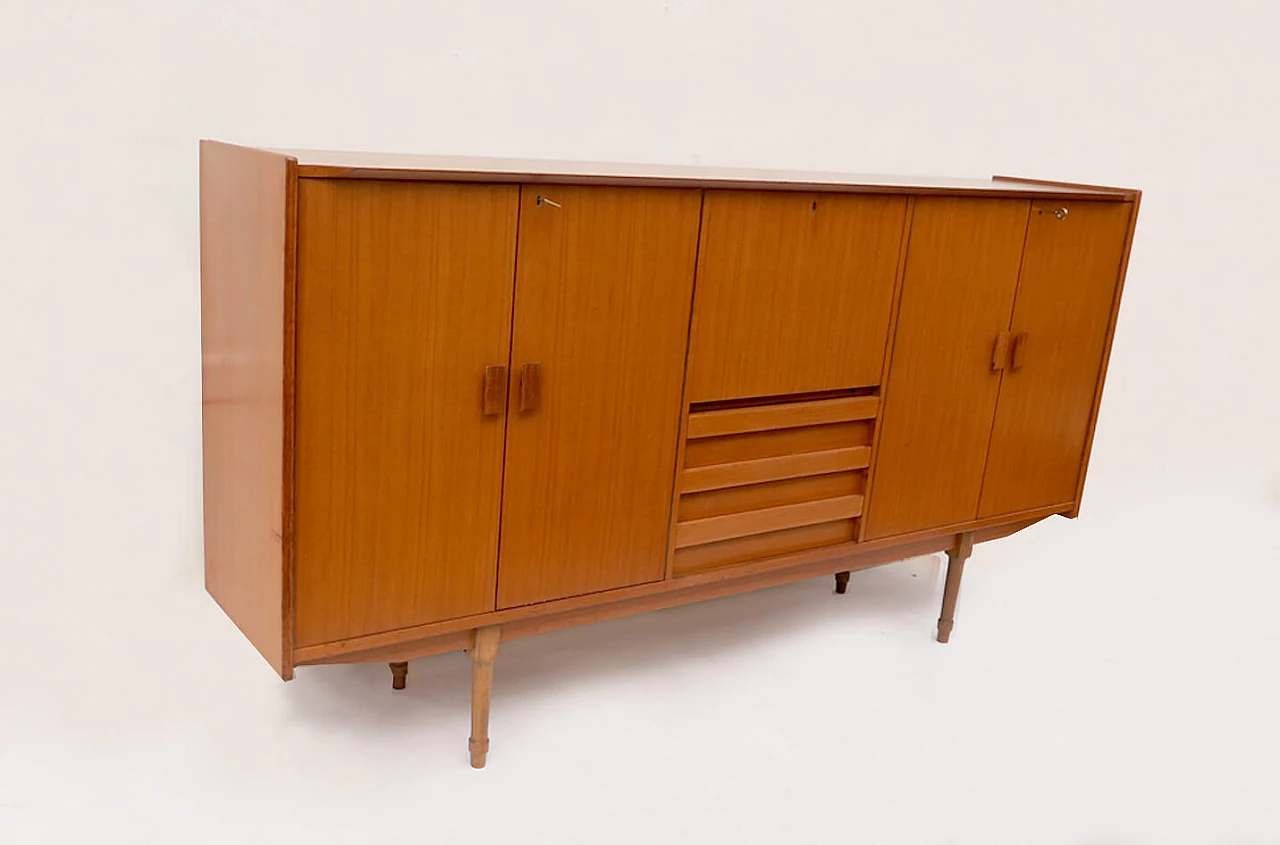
pixel 453 401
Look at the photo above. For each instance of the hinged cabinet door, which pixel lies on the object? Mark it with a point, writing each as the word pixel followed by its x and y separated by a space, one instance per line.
pixel 794 292
pixel 940 397
pixel 603 292
pixel 404 321
pixel 1066 293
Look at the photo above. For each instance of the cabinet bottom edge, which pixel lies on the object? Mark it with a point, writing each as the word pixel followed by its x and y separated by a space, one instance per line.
pixel 451 635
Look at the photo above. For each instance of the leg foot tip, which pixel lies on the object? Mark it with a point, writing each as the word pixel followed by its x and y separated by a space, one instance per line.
pixel 479 749
pixel 944 630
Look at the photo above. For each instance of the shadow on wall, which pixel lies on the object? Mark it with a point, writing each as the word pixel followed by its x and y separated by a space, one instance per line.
pixel 359 695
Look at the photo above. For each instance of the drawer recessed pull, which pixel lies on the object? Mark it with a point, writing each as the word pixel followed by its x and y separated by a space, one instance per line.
pixel 713 529
pixel 789 415
pixel 773 468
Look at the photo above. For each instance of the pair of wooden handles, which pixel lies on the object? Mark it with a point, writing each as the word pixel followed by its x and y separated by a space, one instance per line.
pixel 1011 348
pixel 495 389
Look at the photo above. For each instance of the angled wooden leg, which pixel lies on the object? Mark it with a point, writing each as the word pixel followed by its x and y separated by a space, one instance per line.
pixel 399 671
pixel 842 582
pixel 955 568
pixel 484 650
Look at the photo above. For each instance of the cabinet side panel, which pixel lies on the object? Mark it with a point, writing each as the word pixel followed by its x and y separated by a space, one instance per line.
pixel 940 398
pixel 245 273
pixel 1106 354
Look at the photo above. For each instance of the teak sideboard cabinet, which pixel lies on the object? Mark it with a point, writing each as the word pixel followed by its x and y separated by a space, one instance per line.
pixel 450 401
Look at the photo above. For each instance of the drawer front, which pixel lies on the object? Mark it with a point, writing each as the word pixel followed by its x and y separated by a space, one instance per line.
pixel 770 478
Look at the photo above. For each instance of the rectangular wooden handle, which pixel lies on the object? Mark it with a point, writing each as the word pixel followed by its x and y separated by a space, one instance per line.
pixel 494 399
pixel 530 387
pixel 1000 352
pixel 1019 356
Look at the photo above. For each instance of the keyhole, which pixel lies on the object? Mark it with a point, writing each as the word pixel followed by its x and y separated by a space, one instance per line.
pixel 815 205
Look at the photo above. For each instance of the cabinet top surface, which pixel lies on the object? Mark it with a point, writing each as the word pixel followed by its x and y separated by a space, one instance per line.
pixel 358 165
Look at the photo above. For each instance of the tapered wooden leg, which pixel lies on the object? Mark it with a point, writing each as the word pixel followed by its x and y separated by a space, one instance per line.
pixel 484 650
pixel 399 671
pixel 955 568
pixel 842 582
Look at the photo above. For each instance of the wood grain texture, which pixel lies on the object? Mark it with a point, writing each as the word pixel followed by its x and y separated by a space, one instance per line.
pixel 957 296
pixel 246 278
pixel 760 470
pixel 405 295
pixel 720 581
pixel 785 441
pixel 365 165
pixel 780 415
pixel 895 310
pixel 715 528
pixel 603 294
pixel 700 558
pixel 794 292
pixel 809 470
pixel 770 494
pixel 1063 315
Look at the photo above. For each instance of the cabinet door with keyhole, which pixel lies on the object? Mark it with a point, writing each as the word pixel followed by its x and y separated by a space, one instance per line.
pixel 1061 316
pixel 604 282
pixel 794 292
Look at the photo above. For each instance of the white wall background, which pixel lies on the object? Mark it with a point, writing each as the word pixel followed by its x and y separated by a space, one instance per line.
pixel 1111 679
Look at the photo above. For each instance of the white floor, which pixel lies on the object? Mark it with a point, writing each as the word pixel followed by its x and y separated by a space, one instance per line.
pixel 1110 680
